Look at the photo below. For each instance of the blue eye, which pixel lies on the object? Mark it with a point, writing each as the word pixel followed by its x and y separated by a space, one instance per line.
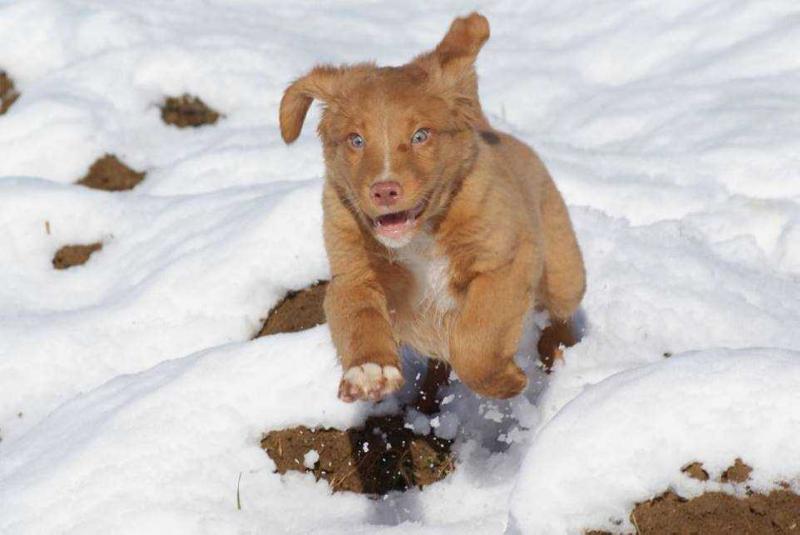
pixel 420 136
pixel 356 141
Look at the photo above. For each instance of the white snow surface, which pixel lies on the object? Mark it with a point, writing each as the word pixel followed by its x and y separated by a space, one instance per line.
pixel 623 438
pixel 131 399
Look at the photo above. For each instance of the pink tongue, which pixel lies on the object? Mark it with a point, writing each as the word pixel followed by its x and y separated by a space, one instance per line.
pixel 392 219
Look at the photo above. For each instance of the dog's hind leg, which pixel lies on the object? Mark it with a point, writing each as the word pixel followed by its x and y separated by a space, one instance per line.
pixel 486 332
pixel 557 335
pixel 563 281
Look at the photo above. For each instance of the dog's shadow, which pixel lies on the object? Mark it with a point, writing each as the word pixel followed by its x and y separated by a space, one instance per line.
pixel 490 437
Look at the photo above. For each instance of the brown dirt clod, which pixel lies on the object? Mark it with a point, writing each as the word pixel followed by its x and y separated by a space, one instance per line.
pixel 380 457
pixel 7 92
pixel 716 513
pixel 187 110
pixel 738 472
pixel 110 174
pixel 298 311
pixel 74 255
pixel 695 471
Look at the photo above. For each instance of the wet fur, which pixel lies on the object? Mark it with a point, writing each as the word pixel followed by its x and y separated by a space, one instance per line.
pixel 494 241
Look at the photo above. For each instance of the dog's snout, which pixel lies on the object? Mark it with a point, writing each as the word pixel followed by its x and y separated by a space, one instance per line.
pixel 386 193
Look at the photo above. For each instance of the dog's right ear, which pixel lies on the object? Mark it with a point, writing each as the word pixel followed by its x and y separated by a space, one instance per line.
pixel 321 84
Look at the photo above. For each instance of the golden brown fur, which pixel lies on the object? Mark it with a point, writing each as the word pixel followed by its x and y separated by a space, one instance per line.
pixel 493 238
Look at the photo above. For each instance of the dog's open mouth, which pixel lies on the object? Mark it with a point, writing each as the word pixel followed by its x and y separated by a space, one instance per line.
pixel 396 224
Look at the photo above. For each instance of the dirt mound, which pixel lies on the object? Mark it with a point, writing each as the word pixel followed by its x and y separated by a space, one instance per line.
pixel 110 174
pixel 715 513
pixel 187 110
pixel 7 92
pixel 298 311
pixel 380 457
pixel 74 255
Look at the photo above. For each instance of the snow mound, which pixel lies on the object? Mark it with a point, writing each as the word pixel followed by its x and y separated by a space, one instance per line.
pixel 175 276
pixel 163 449
pixel 625 439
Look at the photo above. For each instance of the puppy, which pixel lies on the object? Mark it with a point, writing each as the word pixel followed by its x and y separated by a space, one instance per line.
pixel 442 233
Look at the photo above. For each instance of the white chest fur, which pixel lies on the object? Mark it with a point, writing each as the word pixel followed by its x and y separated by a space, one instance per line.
pixel 430 268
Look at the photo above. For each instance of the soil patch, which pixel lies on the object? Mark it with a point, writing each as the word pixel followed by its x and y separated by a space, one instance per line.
pixel 380 457
pixel 74 255
pixel 695 471
pixel 187 110
pixel 110 174
pixel 298 311
pixel 717 513
pixel 737 473
pixel 7 92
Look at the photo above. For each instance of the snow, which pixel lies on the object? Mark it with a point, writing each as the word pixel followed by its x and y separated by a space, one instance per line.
pixel 130 397
pixel 595 457
pixel 310 458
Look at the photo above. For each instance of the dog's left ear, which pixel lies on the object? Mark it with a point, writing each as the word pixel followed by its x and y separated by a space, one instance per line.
pixel 452 63
pixel 456 53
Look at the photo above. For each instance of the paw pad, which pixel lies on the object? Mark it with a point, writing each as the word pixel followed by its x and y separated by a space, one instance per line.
pixel 369 381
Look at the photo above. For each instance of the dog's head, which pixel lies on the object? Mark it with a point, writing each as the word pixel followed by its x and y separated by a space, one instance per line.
pixel 397 140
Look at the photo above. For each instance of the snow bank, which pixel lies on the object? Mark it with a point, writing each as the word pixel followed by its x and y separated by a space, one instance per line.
pixel 625 439
pixel 130 397
pixel 176 275
pixel 161 450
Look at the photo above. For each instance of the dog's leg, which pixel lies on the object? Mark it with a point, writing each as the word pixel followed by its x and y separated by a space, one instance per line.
pixel 557 335
pixel 360 328
pixel 563 282
pixel 485 334
pixel 356 308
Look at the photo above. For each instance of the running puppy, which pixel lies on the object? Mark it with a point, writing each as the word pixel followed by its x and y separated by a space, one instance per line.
pixel 442 233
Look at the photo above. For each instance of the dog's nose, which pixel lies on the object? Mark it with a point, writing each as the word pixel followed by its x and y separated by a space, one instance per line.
pixel 386 193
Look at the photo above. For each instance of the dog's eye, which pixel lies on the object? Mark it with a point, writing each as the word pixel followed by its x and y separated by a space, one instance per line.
pixel 420 136
pixel 356 140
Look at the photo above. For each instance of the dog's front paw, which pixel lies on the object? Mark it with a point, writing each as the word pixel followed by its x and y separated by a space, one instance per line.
pixel 369 381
